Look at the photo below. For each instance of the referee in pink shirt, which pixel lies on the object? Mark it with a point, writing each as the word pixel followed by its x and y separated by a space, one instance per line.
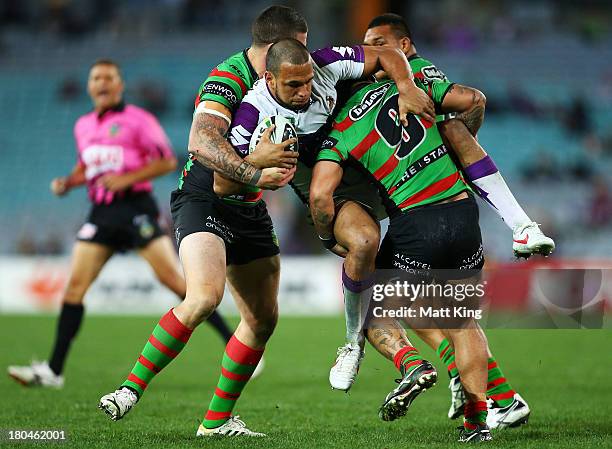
pixel 121 148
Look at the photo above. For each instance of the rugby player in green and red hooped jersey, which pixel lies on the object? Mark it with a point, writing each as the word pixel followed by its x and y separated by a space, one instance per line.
pixel 375 145
pixel 506 407
pixel 253 266
pixel 479 168
pixel 410 164
pixel 423 191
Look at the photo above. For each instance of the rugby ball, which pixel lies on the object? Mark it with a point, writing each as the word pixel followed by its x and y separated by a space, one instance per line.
pixel 283 130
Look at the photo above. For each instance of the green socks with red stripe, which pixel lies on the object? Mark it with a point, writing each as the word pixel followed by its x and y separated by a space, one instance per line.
pixel 239 362
pixel 447 355
pixel 498 388
pixel 475 414
pixel 406 358
pixel 167 340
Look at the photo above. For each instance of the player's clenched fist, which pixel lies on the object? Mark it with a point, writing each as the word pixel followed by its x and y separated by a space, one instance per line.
pixel 268 154
pixel 59 186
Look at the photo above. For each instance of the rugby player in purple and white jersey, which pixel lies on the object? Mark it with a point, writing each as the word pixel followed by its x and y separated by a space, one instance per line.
pixel 392 31
pixel 236 241
pixel 303 89
pixel 121 148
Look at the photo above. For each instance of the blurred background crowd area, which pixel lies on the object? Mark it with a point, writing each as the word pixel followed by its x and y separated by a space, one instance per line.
pixel 545 67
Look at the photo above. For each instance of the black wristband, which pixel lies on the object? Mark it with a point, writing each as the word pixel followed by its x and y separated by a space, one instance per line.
pixel 328 243
pixel 255 179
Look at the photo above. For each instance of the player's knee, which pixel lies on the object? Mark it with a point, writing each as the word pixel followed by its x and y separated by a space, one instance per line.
pixel 75 290
pixel 194 313
pixel 364 244
pixel 264 326
pixel 273 265
pixel 197 308
pixel 171 279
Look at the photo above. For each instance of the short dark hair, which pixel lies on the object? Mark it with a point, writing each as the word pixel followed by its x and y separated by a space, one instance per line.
pixel 286 51
pixel 275 23
pixel 106 61
pixel 395 21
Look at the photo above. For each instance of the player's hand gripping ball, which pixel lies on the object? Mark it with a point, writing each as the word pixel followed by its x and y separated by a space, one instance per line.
pixel 283 130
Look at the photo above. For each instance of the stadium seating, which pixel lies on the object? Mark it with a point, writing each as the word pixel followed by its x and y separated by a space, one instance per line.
pixel 37 143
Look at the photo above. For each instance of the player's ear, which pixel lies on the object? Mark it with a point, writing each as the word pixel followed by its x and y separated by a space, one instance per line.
pixel 270 80
pixel 89 88
pixel 302 37
pixel 405 44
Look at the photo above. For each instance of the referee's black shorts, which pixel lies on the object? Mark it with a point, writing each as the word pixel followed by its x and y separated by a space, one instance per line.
pixel 127 223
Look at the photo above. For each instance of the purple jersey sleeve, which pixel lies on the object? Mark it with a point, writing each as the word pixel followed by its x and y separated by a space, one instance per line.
pixel 243 126
pixel 341 63
pixel 153 140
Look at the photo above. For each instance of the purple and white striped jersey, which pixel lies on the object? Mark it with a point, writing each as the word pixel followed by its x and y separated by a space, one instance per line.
pixel 330 65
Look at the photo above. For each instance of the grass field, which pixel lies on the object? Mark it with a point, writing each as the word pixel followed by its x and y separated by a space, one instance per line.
pixel 566 377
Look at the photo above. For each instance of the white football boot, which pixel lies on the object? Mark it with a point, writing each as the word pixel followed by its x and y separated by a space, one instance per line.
pixel 528 239
pixel 37 374
pixel 513 415
pixel 232 428
pixel 343 373
pixel 118 403
pixel 457 398
pixel 480 434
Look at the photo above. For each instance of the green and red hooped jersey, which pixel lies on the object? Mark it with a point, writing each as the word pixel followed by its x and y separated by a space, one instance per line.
pixel 411 165
pixel 226 84
pixel 432 80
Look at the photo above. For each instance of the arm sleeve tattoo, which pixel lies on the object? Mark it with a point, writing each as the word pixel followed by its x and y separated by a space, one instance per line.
pixel 473 117
pixel 207 143
pixel 323 220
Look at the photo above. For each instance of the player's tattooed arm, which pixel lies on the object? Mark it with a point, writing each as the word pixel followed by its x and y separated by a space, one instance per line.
pixel 469 103
pixel 323 217
pixel 266 155
pixel 207 143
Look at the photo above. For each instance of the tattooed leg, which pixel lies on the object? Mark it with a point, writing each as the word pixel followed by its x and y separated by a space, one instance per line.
pixel 388 337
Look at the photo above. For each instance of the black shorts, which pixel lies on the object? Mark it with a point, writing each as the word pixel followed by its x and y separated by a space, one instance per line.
pixel 352 187
pixel 126 223
pixel 442 236
pixel 247 231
